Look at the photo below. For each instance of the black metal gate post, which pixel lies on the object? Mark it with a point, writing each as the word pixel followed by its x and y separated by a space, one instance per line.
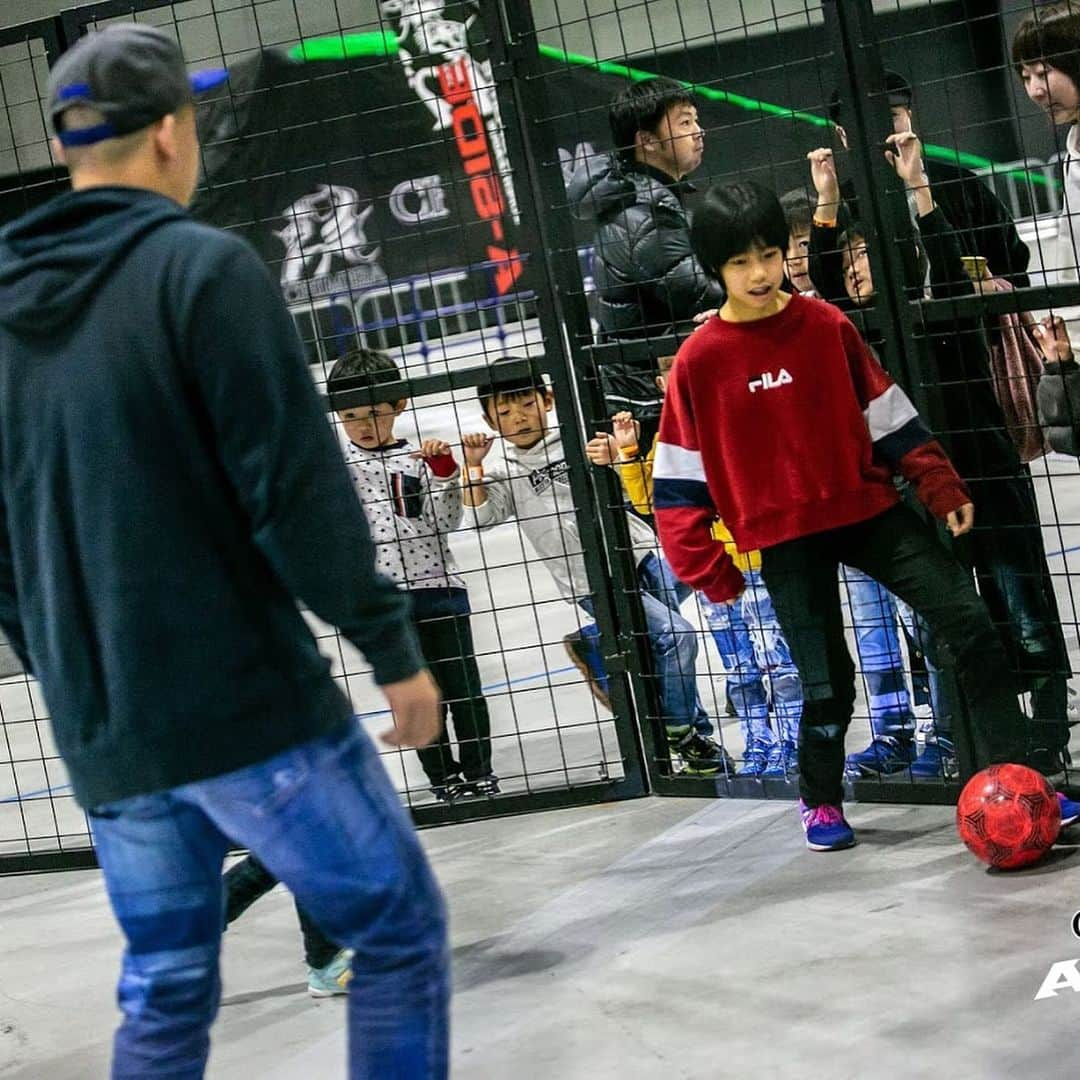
pixel 861 80
pixel 566 321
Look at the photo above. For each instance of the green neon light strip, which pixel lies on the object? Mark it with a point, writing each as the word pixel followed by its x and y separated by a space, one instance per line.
pixel 384 43
pixel 344 46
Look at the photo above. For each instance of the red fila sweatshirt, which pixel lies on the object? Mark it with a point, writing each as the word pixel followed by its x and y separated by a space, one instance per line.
pixel 783 427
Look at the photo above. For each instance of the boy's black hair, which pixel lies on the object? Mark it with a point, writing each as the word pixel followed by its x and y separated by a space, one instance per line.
pixel 366 369
pixel 641 107
pixel 798 210
pixel 509 385
pixel 1052 34
pixel 732 219
pixel 854 232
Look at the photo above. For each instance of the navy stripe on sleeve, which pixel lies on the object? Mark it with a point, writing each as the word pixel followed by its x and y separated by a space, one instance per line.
pixel 898 444
pixel 669 492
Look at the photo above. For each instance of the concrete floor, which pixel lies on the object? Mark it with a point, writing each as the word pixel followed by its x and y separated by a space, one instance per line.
pixel 651 940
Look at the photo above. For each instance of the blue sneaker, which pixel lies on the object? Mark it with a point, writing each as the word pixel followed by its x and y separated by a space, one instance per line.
pixel 783 761
pixel 883 757
pixel 583 649
pixel 333 979
pixel 937 761
pixel 1070 810
pixel 826 828
pixel 755 759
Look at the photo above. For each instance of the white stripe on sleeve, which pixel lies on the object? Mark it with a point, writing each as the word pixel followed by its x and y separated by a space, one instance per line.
pixel 888 412
pixel 677 463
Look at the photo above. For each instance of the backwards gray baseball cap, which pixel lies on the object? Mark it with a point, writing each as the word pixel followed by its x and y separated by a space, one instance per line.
pixel 131 74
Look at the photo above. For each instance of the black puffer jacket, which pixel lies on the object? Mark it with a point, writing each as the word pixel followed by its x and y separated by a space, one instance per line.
pixel 1059 406
pixel 647 279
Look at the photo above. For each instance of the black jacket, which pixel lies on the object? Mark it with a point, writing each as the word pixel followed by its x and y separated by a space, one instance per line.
pixel 169 485
pixel 982 224
pixel 1058 395
pixel 1006 546
pixel 974 433
pixel 648 282
pixel 647 278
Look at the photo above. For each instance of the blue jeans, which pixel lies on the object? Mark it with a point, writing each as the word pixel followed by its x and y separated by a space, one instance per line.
pixel 877 639
pixel 325 819
pixel 752 649
pixel 672 641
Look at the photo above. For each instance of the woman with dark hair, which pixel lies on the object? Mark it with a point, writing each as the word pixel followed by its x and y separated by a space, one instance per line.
pixel 1046 54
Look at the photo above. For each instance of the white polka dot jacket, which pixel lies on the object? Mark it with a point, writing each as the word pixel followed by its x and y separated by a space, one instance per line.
pixel 411 512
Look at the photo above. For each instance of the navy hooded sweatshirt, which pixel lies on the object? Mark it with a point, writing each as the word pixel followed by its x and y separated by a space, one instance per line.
pixel 169 488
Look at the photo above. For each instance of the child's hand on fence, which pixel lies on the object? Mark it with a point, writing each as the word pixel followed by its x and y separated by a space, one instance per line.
pixel 1053 338
pixel 437 455
pixel 823 175
pixel 476 447
pixel 602 450
pixel 627 431
pixel 703 317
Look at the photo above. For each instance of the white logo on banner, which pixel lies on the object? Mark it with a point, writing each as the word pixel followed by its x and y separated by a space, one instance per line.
pixel 323 226
pixel 412 202
pixel 427 40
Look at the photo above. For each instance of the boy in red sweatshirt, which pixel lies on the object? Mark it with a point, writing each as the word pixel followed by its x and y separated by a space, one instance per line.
pixel 780 420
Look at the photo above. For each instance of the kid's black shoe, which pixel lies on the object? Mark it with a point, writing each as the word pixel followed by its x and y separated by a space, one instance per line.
pixel 701 755
pixel 453 787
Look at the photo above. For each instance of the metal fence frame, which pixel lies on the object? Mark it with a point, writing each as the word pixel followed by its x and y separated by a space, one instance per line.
pixel 853 51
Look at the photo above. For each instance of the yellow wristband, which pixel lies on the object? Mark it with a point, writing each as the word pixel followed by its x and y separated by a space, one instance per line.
pixel 825 223
pixel 628 453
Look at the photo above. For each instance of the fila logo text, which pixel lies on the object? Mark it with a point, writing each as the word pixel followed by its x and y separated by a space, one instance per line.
pixel 768 381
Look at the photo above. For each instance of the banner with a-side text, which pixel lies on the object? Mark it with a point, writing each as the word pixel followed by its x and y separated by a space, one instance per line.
pixel 378 176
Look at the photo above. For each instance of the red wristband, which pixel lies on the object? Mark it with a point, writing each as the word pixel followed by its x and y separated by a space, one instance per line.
pixel 443 465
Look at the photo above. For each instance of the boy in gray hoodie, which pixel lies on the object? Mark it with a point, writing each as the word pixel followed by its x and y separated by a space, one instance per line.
pixel 535 489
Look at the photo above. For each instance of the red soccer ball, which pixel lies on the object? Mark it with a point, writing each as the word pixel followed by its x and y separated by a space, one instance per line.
pixel 1008 816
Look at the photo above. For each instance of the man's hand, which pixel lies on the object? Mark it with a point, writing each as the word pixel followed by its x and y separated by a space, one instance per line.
pixel 602 450
pixel 1053 339
pixel 476 447
pixel 823 175
pixel 960 520
pixel 627 430
pixel 415 703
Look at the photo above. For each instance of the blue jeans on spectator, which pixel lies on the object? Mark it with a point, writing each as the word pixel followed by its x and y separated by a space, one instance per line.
pixel 752 649
pixel 673 642
pixel 874 617
pixel 325 819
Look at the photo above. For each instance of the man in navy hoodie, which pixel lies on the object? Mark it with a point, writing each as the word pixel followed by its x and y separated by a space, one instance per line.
pixel 169 489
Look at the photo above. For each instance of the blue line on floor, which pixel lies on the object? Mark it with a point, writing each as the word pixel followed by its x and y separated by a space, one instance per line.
pixel 35 794
pixel 1064 551
pixel 363 716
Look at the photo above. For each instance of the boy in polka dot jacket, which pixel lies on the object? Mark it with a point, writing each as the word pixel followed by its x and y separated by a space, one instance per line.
pixel 412 498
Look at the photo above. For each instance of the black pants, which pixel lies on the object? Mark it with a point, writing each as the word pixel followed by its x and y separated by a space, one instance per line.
pixel 1006 548
pixel 447 644
pixel 902 552
pixel 246 882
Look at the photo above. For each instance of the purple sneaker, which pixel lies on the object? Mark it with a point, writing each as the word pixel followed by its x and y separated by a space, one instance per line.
pixel 826 828
pixel 1070 810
